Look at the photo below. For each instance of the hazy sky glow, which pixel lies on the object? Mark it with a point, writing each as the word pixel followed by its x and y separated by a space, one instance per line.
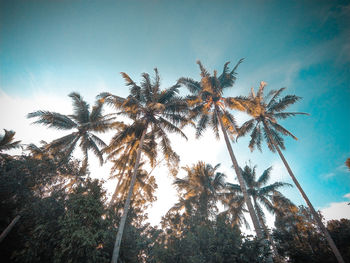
pixel 51 48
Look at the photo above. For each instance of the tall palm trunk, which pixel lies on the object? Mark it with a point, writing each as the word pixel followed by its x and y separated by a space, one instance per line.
pixel 127 201
pixel 274 249
pixel 9 228
pixel 240 180
pixel 313 211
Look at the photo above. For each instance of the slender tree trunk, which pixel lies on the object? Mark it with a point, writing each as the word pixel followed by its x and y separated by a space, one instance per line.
pixel 240 180
pixel 9 228
pixel 313 211
pixel 127 202
pixel 266 231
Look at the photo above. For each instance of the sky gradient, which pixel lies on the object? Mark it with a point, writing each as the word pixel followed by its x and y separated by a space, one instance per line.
pixel 51 48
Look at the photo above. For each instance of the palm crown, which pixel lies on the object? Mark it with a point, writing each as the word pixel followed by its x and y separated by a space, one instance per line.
pixel 148 107
pixel 257 188
pixel 207 102
pixel 200 188
pixel 265 111
pixel 83 121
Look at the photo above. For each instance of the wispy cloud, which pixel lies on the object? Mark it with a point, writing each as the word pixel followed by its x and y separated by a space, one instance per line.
pixel 327 175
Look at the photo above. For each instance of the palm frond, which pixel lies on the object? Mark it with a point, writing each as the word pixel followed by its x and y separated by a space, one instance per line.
pixel 192 85
pixel 92 142
pixel 275 95
pixel 96 112
pixel 229 122
pixel 204 72
pixel 245 128
pixel 214 123
pixel 201 126
pixel 283 103
pixel 80 108
pixel 282 130
pixel 171 127
pixel 269 142
pixel 53 120
pixel 262 180
pixel 237 103
pixel 255 138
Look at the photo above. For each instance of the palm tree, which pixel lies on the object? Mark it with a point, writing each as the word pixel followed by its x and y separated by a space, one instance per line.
pixel 208 106
pixel 265 111
pixel 263 194
pixel 200 188
pixel 153 113
pixel 6 141
pixel 83 123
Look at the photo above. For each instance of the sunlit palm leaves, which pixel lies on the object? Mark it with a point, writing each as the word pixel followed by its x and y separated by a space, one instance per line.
pixel 158 111
pixel 207 101
pixel 265 111
pixel 83 122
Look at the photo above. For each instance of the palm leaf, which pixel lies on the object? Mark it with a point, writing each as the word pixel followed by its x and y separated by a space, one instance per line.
pixel 53 120
pixel 80 108
pixel 283 103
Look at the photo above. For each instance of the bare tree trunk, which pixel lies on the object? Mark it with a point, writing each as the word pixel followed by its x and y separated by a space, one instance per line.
pixel 127 202
pixel 240 179
pixel 313 211
pixel 274 249
pixel 9 228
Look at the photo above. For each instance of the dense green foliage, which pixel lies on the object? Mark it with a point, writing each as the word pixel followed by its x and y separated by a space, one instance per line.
pixel 66 220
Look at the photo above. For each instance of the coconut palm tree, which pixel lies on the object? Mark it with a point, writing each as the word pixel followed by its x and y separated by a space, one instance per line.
pixel 83 122
pixel 265 111
pixel 263 194
pixel 153 112
pixel 200 188
pixel 210 108
pixel 6 141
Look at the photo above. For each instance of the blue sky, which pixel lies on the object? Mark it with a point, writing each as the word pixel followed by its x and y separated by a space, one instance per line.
pixel 55 47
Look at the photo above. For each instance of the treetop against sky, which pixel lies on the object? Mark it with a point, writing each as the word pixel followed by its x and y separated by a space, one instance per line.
pixel 50 48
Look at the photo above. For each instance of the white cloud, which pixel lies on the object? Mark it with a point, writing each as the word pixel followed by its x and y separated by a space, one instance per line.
pixel 337 210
